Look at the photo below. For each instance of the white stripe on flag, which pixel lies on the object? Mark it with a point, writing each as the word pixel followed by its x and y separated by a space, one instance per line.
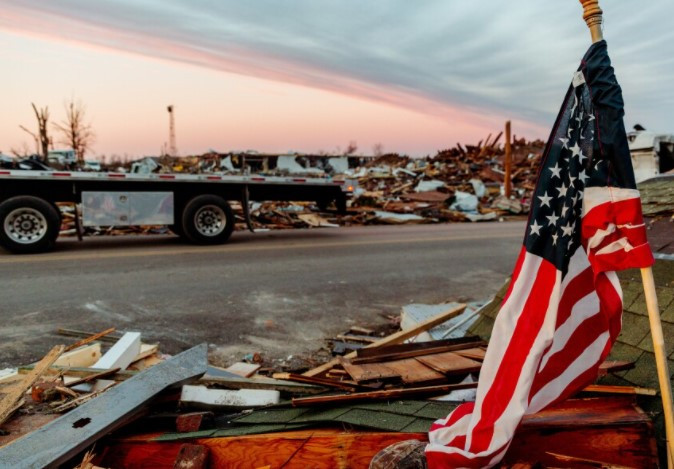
pixel 587 307
pixel 586 360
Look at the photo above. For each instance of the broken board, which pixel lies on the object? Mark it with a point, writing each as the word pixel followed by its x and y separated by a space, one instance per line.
pixel 66 436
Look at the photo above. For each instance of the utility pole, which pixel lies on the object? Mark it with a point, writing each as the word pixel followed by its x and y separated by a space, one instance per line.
pixel 508 162
pixel 173 151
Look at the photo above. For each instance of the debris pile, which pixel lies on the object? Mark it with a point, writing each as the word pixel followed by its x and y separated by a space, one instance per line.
pixel 464 183
pixel 180 411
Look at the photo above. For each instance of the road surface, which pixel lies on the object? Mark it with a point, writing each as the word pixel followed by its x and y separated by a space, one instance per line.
pixel 278 293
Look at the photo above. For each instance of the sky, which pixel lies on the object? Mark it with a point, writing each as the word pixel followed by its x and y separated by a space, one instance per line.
pixel 314 75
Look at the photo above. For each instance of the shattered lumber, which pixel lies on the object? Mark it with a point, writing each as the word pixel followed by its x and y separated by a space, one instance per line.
pixel 91 338
pixel 66 436
pixel 84 334
pixel 386 394
pixel 396 338
pixel 12 398
pixel 261 383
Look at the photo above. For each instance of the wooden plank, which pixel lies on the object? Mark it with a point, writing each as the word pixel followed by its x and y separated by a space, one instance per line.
pixel 357 338
pixel 369 372
pixel 316 381
pixel 111 338
pixel 202 396
pixel 89 339
pixel 450 363
pixel 411 353
pixel 81 372
pixel 92 377
pixel 396 338
pixel 66 436
pixel 243 369
pixel 386 394
pixel 261 383
pixel 84 356
pixel 413 372
pixel 408 370
pixel 15 393
pixel 621 390
pixel 464 342
pixel 477 353
pixel 315 449
pixel 122 353
pixel 613 366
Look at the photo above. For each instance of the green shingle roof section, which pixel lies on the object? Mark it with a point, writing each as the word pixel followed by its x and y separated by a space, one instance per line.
pixel 405 416
pixel 657 196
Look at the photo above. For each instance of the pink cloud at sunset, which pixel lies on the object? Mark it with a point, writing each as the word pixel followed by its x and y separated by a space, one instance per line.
pixel 270 82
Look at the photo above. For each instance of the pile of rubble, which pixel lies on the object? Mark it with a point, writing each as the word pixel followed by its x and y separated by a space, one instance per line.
pixel 464 183
pixel 110 400
pixel 457 184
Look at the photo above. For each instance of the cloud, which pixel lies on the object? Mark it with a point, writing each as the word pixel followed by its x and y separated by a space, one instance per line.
pixel 445 58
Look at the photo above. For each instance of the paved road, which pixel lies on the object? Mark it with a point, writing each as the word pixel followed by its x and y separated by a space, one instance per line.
pixel 277 292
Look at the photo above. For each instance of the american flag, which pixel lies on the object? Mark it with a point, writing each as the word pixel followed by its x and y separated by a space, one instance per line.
pixel 562 312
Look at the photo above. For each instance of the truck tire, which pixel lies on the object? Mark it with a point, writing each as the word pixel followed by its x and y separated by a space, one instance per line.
pixel 207 219
pixel 28 224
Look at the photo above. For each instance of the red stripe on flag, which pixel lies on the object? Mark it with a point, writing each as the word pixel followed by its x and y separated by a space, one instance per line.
pixel 526 330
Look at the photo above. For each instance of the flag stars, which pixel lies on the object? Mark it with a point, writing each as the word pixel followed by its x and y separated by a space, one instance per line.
pixel 581 157
pixel 555 171
pixel 562 190
pixel 552 219
pixel 571 179
pixel 545 200
pixel 565 142
pixel 535 228
pixel 575 149
pixel 554 239
pixel 567 229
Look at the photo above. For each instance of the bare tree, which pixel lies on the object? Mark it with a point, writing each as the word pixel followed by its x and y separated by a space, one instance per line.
pixel 22 152
pixel 42 137
pixel 378 149
pixel 351 148
pixel 74 129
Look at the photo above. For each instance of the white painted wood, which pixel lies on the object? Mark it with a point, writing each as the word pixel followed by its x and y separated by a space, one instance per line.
pixel 122 353
pixel 244 398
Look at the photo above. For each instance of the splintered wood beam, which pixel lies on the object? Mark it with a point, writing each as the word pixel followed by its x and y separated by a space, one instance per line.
pixel 91 338
pixel 386 394
pixel 396 338
pixel 14 395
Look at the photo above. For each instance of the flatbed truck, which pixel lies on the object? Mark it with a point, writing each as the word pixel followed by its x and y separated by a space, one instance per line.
pixel 194 206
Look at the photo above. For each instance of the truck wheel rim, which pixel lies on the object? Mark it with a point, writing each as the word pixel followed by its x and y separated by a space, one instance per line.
pixel 210 220
pixel 25 225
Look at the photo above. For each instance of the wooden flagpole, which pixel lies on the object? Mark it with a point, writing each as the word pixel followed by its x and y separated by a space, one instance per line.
pixel 592 15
